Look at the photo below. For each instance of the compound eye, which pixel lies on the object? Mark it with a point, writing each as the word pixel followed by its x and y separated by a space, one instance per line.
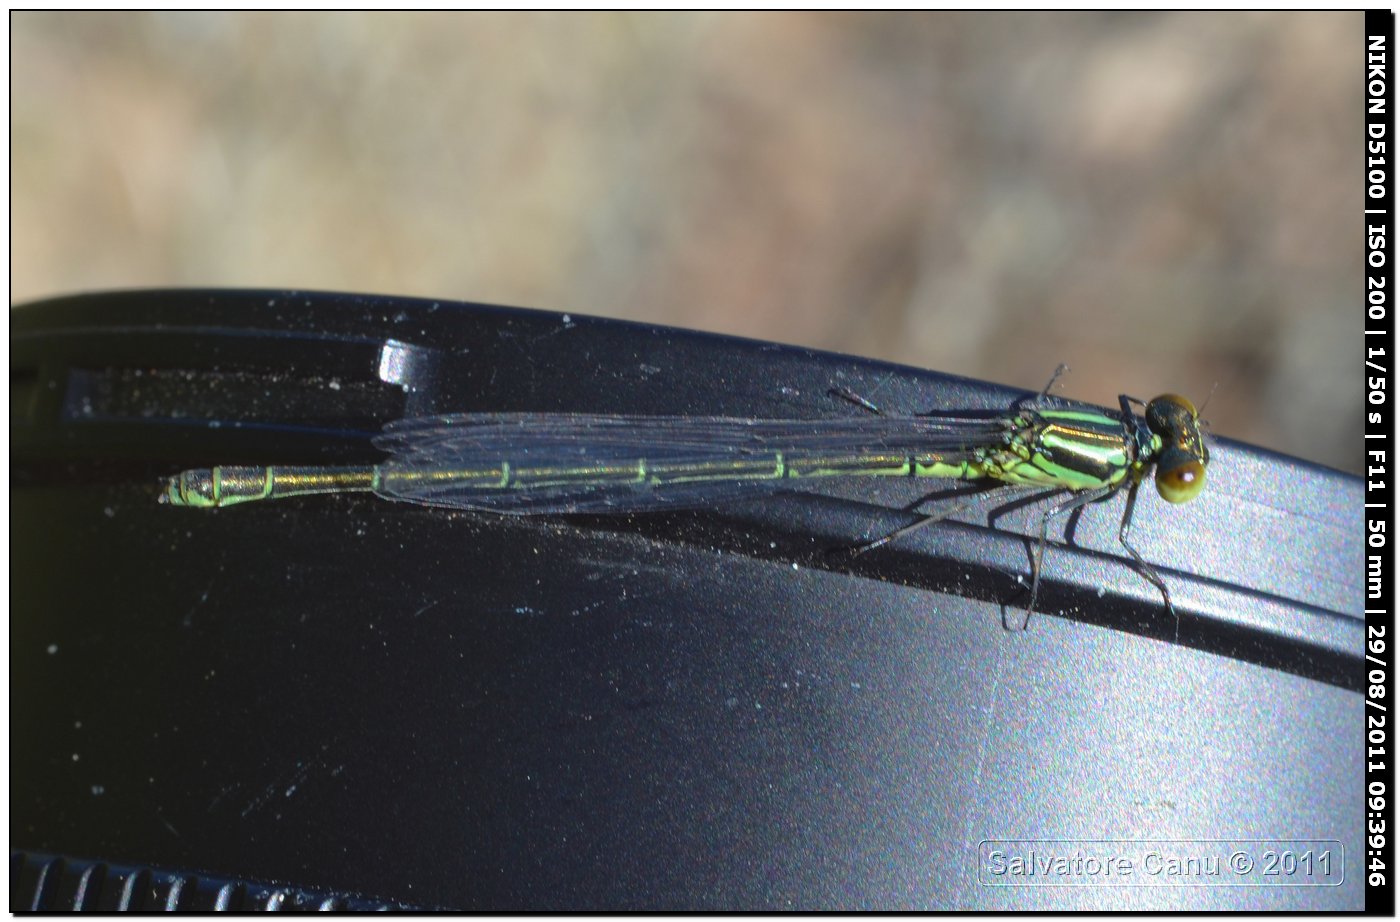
pixel 1170 415
pixel 1178 401
pixel 1180 482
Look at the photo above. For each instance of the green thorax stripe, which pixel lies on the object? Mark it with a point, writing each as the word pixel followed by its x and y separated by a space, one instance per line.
pixel 1077 449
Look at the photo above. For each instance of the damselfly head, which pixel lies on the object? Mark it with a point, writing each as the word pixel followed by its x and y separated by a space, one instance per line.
pixel 1182 460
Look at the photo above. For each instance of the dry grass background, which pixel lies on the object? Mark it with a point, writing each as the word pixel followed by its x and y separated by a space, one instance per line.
pixel 1164 201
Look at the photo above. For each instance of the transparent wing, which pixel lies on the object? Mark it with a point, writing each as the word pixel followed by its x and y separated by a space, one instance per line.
pixel 535 463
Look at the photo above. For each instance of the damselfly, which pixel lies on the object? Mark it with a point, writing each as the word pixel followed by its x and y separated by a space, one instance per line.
pixel 550 463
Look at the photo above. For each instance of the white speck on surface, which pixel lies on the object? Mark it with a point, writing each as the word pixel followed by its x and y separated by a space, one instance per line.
pixel 291 790
pixel 75 757
pixel 77 725
pixel 333 384
pixel 98 790
pixel 394 362
pixel 567 319
pixel 109 512
pixel 52 649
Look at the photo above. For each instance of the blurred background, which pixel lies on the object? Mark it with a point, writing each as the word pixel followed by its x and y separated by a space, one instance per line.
pixel 1165 201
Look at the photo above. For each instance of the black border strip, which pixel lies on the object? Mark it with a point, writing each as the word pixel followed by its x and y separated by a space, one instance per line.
pixel 1380 421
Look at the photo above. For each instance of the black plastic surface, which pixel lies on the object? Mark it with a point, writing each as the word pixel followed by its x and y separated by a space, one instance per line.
pixel 695 709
